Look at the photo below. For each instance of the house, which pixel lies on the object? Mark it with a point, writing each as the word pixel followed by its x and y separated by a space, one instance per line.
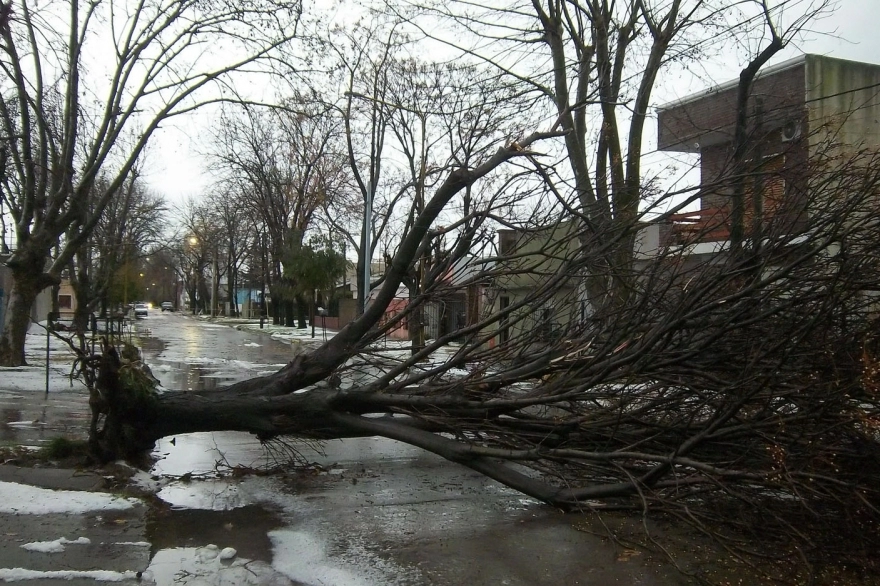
pixel 462 299
pixel 457 301
pixel 534 258
pixel 802 113
pixel 799 111
pixel 66 300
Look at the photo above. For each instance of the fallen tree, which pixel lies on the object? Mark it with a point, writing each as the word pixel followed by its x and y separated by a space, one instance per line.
pixel 728 388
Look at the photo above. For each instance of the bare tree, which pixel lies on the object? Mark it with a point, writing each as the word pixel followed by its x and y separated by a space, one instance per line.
pixel 734 389
pixel 70 112
pixel 441 117
pixel 283 163
pixel 101 271
pixel 198 252
pixel 237 234
pixel 604 61
pixel 362 58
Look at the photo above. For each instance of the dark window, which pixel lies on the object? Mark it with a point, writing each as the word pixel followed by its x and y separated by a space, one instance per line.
pixel 545 324
pixel 65 302
pixel 505 329
pixel 506 242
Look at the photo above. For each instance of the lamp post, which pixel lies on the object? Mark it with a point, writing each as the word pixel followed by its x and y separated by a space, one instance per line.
pixel 368 220
pixel 215 283
pixel 363 292
pixel 193 241
pixel 263 279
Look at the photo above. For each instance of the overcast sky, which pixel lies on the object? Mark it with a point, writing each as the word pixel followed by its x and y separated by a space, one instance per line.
pixel 177 170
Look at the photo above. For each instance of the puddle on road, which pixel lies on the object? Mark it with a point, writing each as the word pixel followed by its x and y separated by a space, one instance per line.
pixel 26 422
pixel 244 528
pixel 199 518
pixel 192 377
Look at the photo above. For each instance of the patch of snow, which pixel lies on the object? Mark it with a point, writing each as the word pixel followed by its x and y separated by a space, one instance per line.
pixel 185 566
pixel 21 574
pixel 227 553
pixel 33 379
pixel 207 553
pixel 147 482
pixel 22 423
pixel 56 546
pixel 22 499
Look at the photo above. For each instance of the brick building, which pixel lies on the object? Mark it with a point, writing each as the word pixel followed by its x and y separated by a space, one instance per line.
pixel 796 109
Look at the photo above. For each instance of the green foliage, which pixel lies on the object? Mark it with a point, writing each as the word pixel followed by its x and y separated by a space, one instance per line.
pixel 60 448
pixel 126 285
pixel 316 265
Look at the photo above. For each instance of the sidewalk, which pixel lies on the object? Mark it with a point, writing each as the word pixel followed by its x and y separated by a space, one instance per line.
pixel 281 333
pixel 302 339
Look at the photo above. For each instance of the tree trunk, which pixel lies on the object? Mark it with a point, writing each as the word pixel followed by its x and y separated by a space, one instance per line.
pixel 22 295
pixel 301 312
pixel 289 313
pixel 275 309
pixel 135 420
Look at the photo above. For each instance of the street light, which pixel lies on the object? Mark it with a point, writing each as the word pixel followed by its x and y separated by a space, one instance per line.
pixel 193 285
pixel 368 221
pixel 368 210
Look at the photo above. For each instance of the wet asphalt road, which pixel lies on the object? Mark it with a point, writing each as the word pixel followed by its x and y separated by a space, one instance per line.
pixel 366 512
pixel 377 511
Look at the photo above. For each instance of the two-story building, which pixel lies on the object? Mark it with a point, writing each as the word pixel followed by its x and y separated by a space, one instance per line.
pixel 806 110
pixel 803 117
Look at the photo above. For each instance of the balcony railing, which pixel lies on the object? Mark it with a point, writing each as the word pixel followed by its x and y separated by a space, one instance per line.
pixel 706 225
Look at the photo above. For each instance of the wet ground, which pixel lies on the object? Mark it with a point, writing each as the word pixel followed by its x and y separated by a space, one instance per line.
pixel 355 512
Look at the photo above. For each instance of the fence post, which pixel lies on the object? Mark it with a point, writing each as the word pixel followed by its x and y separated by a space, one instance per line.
pixel 49 319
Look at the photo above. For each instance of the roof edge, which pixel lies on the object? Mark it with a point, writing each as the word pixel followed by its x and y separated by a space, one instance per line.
pixel 783 66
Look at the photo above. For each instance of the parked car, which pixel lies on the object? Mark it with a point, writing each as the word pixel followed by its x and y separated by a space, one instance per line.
pixel 167 306
pixel 141 310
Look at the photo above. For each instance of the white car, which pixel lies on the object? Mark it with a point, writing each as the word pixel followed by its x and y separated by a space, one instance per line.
pixel 167 306
pixel 141 310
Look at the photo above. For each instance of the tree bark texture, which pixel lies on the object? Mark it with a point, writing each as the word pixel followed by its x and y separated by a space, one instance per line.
pixel 22 297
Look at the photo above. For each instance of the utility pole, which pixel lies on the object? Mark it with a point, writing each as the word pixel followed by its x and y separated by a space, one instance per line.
pixel 368 221
pixel 263 285
pixel 215 284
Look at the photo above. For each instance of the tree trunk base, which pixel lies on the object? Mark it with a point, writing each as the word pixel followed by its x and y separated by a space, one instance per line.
pixel 125 400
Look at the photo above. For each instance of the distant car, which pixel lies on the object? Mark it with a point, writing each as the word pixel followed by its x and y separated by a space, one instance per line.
pixel 141 310
pixel 167 306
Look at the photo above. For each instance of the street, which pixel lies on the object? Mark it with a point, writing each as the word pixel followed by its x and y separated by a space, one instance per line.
pixel 353 512
pixel 379 512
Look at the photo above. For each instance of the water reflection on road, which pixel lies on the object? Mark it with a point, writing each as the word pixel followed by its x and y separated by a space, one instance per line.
pixel 367 511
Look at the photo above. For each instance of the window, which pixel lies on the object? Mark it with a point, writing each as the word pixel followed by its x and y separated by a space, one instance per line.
pixel 505 329
pixel 768 180
pixel 544 327
pixel 506 242
pixel 65 302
